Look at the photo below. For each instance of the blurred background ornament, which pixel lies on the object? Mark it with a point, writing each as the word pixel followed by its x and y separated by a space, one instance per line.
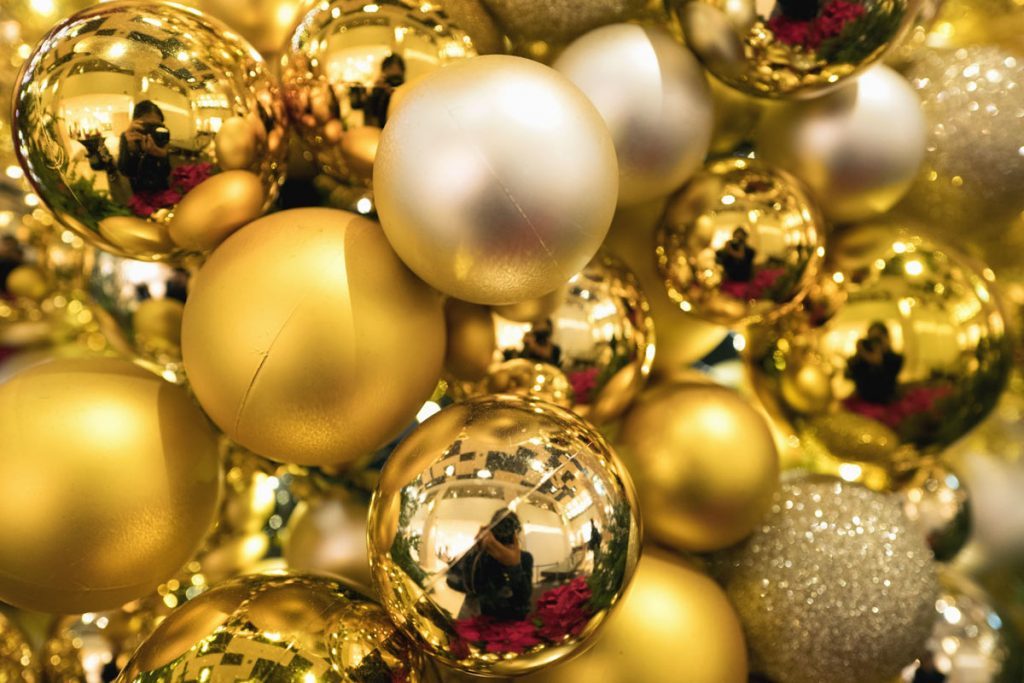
pixel 740 243
pixel 938 503
pixel 292 628
pixel 835 586
pixel 652 93
pixel 345 68
pixel 675 625
pixel 592 352
pixel 735 117
pixel 792 48
pixel 918 36
pixel 704 462
pixel 915 356
pixel 502 533
pixel 537 179
pixel 296 316
pixel 967 190
pixel 970 642
pixel 142 451
pixel 961 23
pixel 17 663
pixel 857 149
pixel 471 339
pixel 120 114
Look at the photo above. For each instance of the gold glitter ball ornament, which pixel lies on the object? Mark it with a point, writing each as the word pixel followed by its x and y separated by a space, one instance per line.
pixel 792 48
pixel 128 115
pixel 836 585
pixel 502 533
pixel 741 242
pixel 286 628
pixel 17 664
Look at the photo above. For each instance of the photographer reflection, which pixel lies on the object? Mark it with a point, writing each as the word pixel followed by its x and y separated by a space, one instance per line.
pixel 143 156
pixel 496 574
pixel 538 344
pixel 737 257
pixel 875 366
pixel 375 105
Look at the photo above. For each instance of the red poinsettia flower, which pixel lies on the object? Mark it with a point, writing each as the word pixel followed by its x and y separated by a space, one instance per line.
pixel 146 204
pixel 915 401
pixel 562 610
pixel 810 34
pixel 583 384
pixel 498 636
pixel 187 176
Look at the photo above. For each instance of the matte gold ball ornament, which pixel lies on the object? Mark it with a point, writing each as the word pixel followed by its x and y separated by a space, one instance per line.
pixel 264 23
pixel 704 462
pixel 496 179
pixel 473 504
pixel 742 242
pixel 789 48
pixel 116 149
pixel 293 319
pixel 143 452
pixel 294 628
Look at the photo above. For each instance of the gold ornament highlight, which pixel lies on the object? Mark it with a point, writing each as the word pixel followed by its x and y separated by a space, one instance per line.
pixel 502 532
pixel 288 628
pixel 653 95
pixel 857 149
pixel 141 450
pixel 836 585
pixel 292 319
pixel 937 502
pixel 17 665
pixel 495 180
pixel 913 358
pixel 119 117
pixel 791 49
pixel 741 243
pixel 704 463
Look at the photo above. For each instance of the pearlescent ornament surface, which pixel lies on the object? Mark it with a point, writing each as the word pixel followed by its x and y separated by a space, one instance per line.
pixel 495 179
pixel 741 242
pixel 126 109
pixel 286 628
pixel 835 586
pixel 502 533
pixel 792 48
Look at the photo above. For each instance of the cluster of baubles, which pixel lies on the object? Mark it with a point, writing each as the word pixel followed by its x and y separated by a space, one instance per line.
pixel 509 244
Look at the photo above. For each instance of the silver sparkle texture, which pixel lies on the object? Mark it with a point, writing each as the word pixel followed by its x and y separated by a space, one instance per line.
pixel 835 586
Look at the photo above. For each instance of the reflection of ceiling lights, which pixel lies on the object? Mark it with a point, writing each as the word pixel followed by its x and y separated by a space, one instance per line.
pixel 484 473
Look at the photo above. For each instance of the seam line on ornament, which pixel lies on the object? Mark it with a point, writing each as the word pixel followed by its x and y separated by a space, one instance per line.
pixel 262 363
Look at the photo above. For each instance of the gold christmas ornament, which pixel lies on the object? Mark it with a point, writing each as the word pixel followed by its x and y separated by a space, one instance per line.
pixel 215 208
pixel 502 532
pixel 672 614
pixel 293 319
pixel 287 628
pixel 28 281
pixel 471 339
pixel 594 351
pixel 538 26
pixel 117 116
pixel 141 450
pixel 915 356
pixel 345 64
pixel 534 185
pixel 704 463
pixel 264 23
pixel 736 117
pixel 792 48
pixel 836 585
pixel 652 93
pixel 857 149
pixel 741 243
pixel 936 501
pixel 17 664
pixel 532 310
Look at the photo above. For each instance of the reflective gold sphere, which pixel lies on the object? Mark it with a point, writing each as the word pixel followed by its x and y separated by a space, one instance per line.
pixel 118 117
pixel 344 68
pixel 741 242
pixel 596 348
pixel 704 462
pixel 496 179
pixel 792 48
pixel 937 501
pixel 502 532
pixel 913 358
pixel 293 319
pixel 17 664
pixel 287 628
pixel 108 480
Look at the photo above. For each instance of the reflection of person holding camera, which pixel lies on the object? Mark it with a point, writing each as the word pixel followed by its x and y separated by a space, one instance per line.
pixel 538 344
pixel 496 573
pixel 143 156
pixel 737 257
pixel 875 366
pixel 375 105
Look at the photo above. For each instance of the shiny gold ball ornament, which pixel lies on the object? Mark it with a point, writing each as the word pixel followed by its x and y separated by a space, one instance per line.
pixel 792 48
pixel 836 585
pixel 293 319
pixel 652 93
pixel 937 501
pixel 915 356
pixel 496 179
pixel 344 69
pixel 502 532
pixel 675 625
pixel 857 149
pixel 704 462
pixel 741 243
pixel 117 116
pixel 594 351
pixel 295 628
pixel 144 453
pixel 17 664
